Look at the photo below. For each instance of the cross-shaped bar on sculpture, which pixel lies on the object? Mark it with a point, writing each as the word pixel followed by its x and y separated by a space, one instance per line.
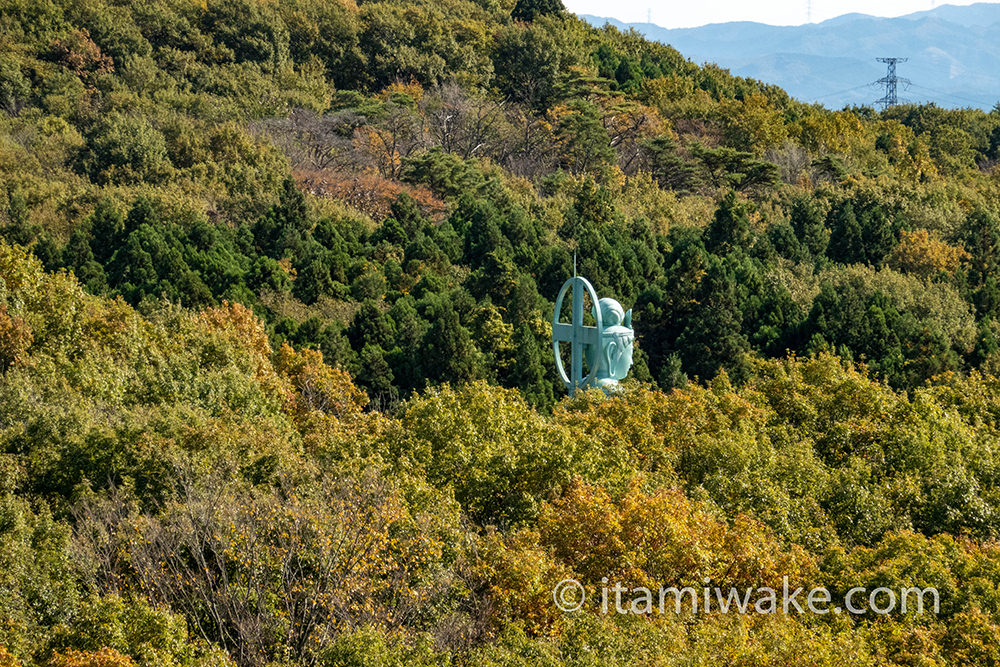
pixel 575 333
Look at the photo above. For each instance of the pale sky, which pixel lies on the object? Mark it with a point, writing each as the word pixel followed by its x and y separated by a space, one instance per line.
pixel 691 13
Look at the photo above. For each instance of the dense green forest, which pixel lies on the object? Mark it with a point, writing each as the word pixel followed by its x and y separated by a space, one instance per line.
pixel 276 282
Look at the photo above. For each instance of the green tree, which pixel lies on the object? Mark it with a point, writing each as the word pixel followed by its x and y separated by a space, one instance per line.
pixel 846 237
pixel 528 372
pixel 730 227
pixel 586 145
pixel 14 86
pixel 670 169
pixel 448 353
pixel 527 10
pixel 712 338
pixel 127 149
pixel 376 376
pixel 810 226
pixel 250 31
pixel 528 61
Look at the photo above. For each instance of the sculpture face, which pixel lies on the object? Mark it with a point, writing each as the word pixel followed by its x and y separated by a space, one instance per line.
pixel 617 354
pixel 612 361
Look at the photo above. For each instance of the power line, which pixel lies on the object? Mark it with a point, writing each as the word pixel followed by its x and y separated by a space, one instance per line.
pixel 891 81
pixel 953 96
pixel 846 90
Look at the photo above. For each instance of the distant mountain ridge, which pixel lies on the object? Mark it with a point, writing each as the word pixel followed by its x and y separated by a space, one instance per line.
pixel 954 54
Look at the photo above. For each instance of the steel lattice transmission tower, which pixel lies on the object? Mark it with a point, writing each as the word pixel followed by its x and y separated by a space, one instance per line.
pixel 891 81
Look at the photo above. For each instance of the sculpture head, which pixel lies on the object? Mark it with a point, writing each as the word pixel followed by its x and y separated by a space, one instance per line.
pixel 612 313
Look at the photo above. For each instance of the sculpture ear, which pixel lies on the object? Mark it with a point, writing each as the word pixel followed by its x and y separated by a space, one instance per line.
pixel 628 319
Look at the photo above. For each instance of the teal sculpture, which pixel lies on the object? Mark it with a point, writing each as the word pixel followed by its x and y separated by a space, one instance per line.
pixel 607 347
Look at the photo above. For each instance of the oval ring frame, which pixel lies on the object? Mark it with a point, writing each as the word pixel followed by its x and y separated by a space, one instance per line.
pixel 584 283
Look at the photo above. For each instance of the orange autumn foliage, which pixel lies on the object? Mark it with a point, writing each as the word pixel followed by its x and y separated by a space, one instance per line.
pixel 106 657
pixel 370 193
pixel 520 575
pixel 663 538
pixel 80 55
pixel 15 338
pixel 319 387
pixel 922 254
pixel 7 660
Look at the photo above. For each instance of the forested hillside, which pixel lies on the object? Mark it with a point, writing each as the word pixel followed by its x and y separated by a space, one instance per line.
pixel 275 376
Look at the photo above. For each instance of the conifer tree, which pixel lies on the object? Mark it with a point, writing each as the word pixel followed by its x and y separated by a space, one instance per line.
pixel 846 241
pixel 730 227
pixel 529 370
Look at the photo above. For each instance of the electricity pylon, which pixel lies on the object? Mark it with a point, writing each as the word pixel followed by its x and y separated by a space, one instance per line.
pixel 891 80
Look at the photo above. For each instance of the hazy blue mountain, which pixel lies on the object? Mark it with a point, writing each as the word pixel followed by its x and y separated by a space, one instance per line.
pixel 954 54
